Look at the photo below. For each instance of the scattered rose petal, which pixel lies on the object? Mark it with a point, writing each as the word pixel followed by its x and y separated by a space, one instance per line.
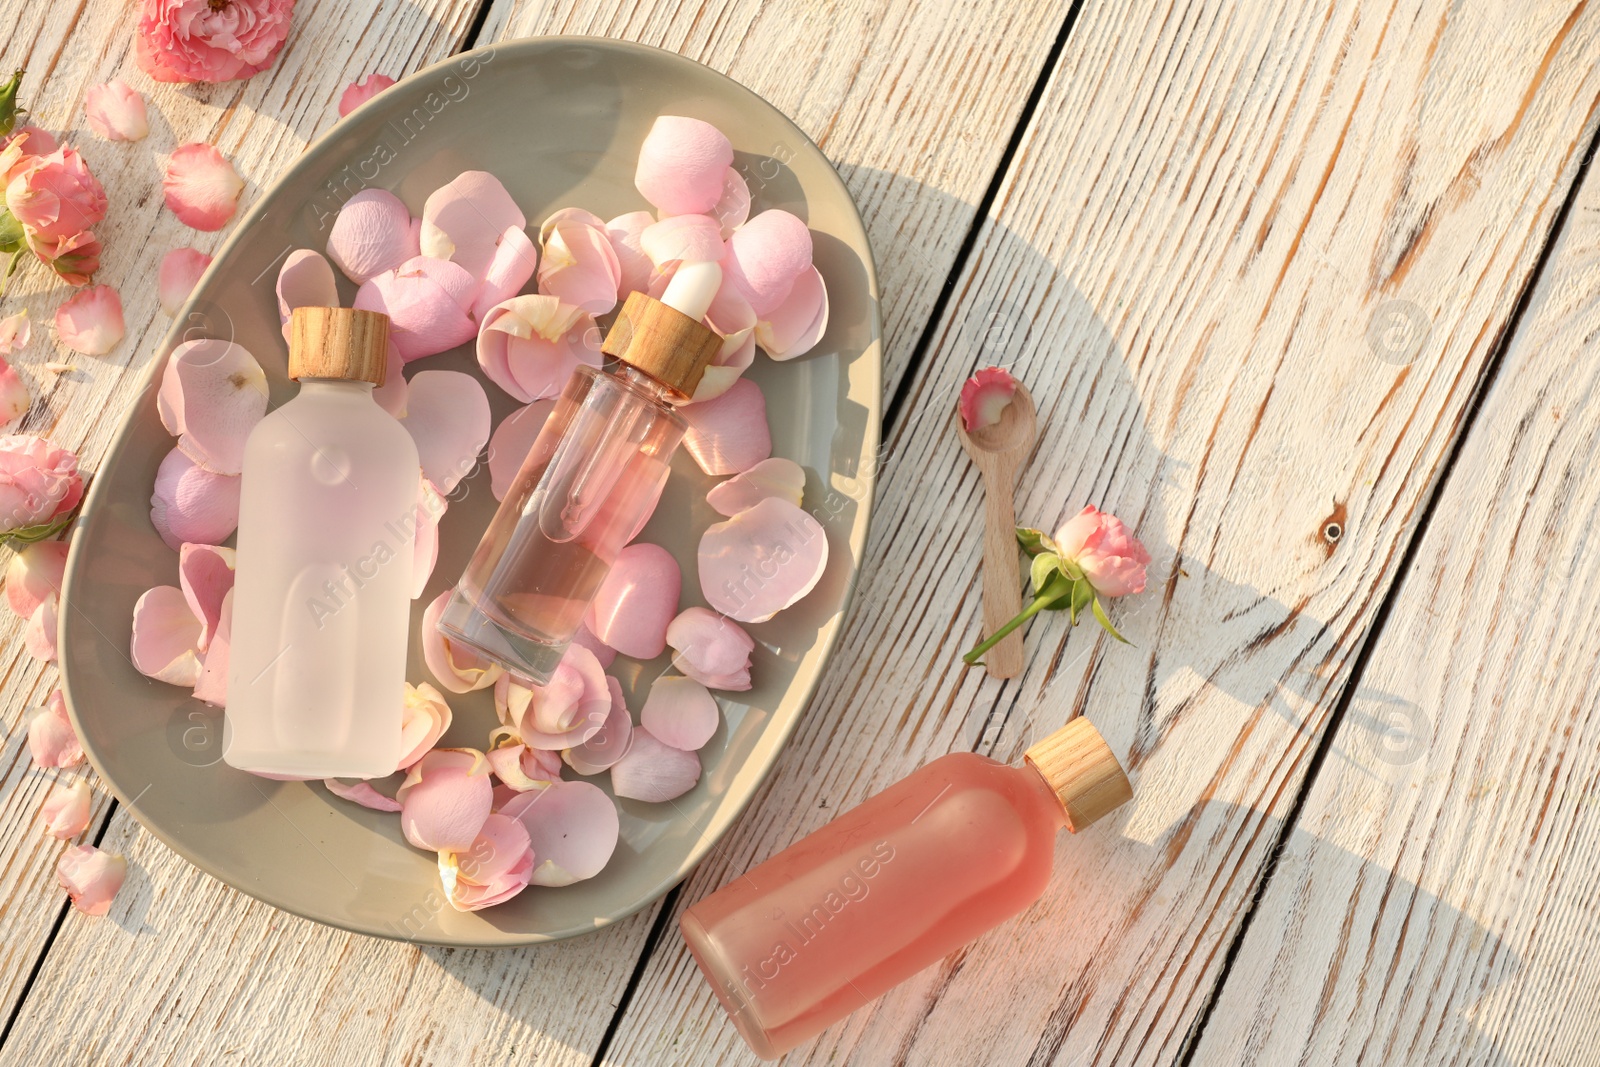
pixel 371 234
pixel 193 504
pixel 523 768
pixel 653 771
pixel 91 321
pixel 201 187
pixel 795 326
pixel 603 652
pixel 738 351
pixel 610 743
pixel 35 572
pixel 765 256
pixel 116 112
pixel 984 396
pixel 779 477
pixel 762 560
pixel 680 712
pixel 459 670
pixel 91 877
pixel 636 601
pixel 712 649
pixel 683 238
pixel 496 868
pixel 66 811
pixel 564 713
pixel 359 92
pixel 683 164
pixel 464 220
pixel 166 637
pixel 445 799
pixel 391 395
pixel 424 719
pixel 578 265
pixel 431 505
pixel 513 264
pixel 573 827
pixel 16 330
pixel 212 395
pixel 447 413
pixel 512 441
pixel 179 274
pixel 428 302
pixel 39 637
pixel 304 280
pixel 733 209
pixel 51 739
pixel 212 687
pixel 729 434
pixel 205 574
pixel 530 345
pixel 361 792
pixel 625 232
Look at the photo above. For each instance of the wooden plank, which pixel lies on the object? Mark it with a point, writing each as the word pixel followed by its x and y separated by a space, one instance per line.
pixel 1436 900
pixel 1216 229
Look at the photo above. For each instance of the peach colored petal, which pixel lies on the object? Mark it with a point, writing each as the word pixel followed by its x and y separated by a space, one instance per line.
pixel 116 112
pixel 359 92
pixel 683 238
pixel 738 351
pixel 765 256
pixel 91 877
pixel 212 395
pixel 16 330
pixel 39 637
pixel 431 505
pixel 447 414
pixel 391 395
pixel 51 739
pixel 573 827
pixel 512 441
pixel 795 326
pixel 35 572
pixel 361 792
pixel 568 215
pixel 683 164
pixel 984 396
pixel 179 274
pixel 530 345
pixel 166 637
pixel 523 768
pixel 205 574
pixel 579 267
pixel 636 601
pixel 457 669
pixel 680 712
pixel 567 711
pixel 463 221
pixel 445 799
pixel 729 433
pixel 192 504
pixel 625 232
pixel 371 234
pixel 428 302
pixel 212 687
pixel 653 771
pixel 779 477
pixel 762 560
pixel 713 650
pixel 733 208
pixel 515 259
pixel 496 868
pixel 91 321
pixel 604 653
pixel 201 187
pixel 66 811
pixel 425 716
pixel 610 743
pixel 15 400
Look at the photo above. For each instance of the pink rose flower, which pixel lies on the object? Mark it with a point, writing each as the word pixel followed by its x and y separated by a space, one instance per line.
pixel 74 258
pixel 1105 551
pixel 39 486
pixel 210 40
pixel 54 195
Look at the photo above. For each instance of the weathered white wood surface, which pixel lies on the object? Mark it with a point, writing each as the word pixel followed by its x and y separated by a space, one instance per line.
pixel 1202 249
pixel 1437 901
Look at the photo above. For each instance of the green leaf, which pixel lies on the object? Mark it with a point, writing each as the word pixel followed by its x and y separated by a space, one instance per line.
pixel 12 237
pixel 1100 617
pixel 9 111
pixel 27 535
pixel 1045 566
pixel 1031 540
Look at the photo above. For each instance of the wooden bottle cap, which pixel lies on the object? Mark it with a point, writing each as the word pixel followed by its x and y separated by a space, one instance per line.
pixel 663 342
pixel 338 343
pixel 1080 767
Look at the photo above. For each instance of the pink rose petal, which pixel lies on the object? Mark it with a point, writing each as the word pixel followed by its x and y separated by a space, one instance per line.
pixel 391 395
pixel 447 413
pixel 738 351
pixel 166 637
pixel 496 868
pixel 424 718
pixel 680 712
pixel 205 573
pixel 523 768
pixel 304 280
pixel 530 345
pixel 212 395
pixel 512 441
pixel 457 669
pixel 15 400
pixel 431 507
pixel 795 326
pixel 683 164
pixel 193 504
pixel 984 396
pixel 51 739
pixel 91 321
pixel 625 232
pixel 359 92
pixel 212 687
pixel 429 303
pixel 371 234
pixel 711 649
pixel 578 265
pixel 464 221
pixel 653 771
pixel 515 259
pixel 779 477
pixel 573 827
pixel 16 330
pixel 765 256
pixel 91 877
pixel 604 653
pixel 445 799
pixel 733 208
pixel 564 713
pixel 116 112
pixel 683 238
pixel 610 743
pixel 201 187
pixel 39 638
pixel 636 601
pixel 66 811
pixel 362 793
pixel 762 560
pixel 179 274
pixel 568 215
pixel 729 434
pixel 35 572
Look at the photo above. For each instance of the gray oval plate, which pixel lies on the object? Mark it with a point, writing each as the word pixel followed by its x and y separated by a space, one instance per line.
pixel 559 121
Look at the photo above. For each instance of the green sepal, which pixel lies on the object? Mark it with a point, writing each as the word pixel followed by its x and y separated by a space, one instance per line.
pixel 1082 596
pixel 1101 618
pixel 12 236
pixel 9 111
pixel 1031 540
pixel 1045 566
pixel 27 535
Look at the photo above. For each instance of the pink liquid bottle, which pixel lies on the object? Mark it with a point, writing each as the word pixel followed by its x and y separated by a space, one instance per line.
pixel 588 483
pixel 839 918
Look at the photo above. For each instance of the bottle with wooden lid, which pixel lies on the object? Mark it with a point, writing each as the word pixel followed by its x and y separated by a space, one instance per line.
pixel 588 484
pixel 321 605
pixel 892 886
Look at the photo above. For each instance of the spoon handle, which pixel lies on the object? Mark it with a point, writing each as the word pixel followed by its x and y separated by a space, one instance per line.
pixel 1002 585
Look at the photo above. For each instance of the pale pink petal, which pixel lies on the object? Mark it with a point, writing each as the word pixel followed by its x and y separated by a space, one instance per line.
pixel 212 687
pixel 683 164
pixel 575 215
pixel 192 504
pixel 424 718
pixel 680 712
pixel 91 321
pixel 603 652
pixel 91 877
pixel 391 395
pixel 66 811
pixel 523 768
pixel 447 414
pixel 984 396
pixel 777 477
pixel 16 330
pixel 205 573
pixel 15 399
pixel 653 771
pixel 35 572
pixel 515 259
pixel 573 827
pixel 445 799
pixel 39 637
pixel 166 637
pixel 795 326
pixel 304 280
pixel 512 441
pixel 361 792
pixel 636 601
pixel 51 739
pixel 212 395
pixel 610 743
pixel 431 505
pixel 765 256
pixel 729 433
pixel 711 649
pixel 683 238
pixel 179 274
pixel 730 313
pixel 530 345
pixel 625 232
pixel 762 560
pixel 116 112
pixel 359 92
pixel 429 303
pixel 371 234
pixel 201 187
pixel 738 351
pixel 496 868
pixel 457 669
pixel 733 208
pixel 464 220
pixel 579 267
pixel 565 712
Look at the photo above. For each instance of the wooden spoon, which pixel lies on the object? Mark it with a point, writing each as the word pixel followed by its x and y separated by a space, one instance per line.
pixel 999 452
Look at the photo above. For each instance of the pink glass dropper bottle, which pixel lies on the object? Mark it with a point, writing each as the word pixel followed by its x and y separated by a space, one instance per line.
pixel 842 916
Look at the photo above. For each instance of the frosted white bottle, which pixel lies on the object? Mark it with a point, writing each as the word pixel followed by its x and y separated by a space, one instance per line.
pixel 322 598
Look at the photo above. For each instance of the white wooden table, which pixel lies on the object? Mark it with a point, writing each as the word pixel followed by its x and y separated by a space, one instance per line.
pixel 1362 710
